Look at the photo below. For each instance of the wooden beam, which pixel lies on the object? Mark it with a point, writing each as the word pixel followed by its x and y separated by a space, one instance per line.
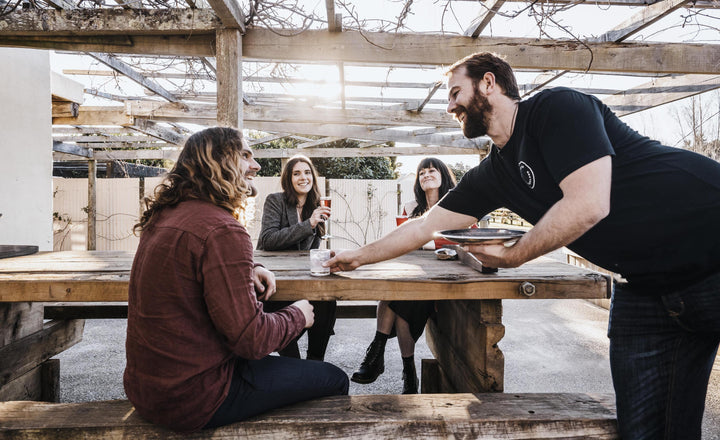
pixel 109 21
pixel 647 16
pixel 159 111
pixel 76 150
pixel 318 142
pixel 65 109
pixel 419 416
pixel 367 151
pixel 112 137
pixel 109 96
pixel 191 45
pixel 333 25
pixel 699 4
pixel 124 68
pixel 634 24
pixel 110 155
pixel 259 79
pixel 520 53
pixel 25 354
pixel 155 130
pixel 418 49
pixel 266 139
pixel 90 115
pixel 429 96
pixel 92 205
pixel 229 111
pixel 363 132
pixel 490 8
pixel 230 13
pixel 61 4
pixel 660 91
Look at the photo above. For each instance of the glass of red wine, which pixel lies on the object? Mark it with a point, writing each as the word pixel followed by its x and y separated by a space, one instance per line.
pixel 326 201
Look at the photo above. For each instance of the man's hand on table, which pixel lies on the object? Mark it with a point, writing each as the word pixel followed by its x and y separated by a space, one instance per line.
pixel 345 260
pixel 264 283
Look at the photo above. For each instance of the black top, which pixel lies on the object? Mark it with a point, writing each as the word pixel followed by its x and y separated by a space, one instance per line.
pixel 662 230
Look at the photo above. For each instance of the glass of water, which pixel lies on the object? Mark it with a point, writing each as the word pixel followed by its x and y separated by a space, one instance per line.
pixel 317 258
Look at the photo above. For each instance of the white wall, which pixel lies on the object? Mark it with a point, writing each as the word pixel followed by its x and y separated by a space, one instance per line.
pixel 25 148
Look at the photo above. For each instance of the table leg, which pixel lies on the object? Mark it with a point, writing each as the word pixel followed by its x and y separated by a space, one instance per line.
pixel 27 343
pixel 463 338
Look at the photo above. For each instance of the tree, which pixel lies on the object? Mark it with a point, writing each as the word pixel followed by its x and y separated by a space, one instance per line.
pixel 459 169
pixel 333 167
pixel 703 119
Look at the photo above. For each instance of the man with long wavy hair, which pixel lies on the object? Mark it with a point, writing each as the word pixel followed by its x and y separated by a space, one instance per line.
pixel 198 339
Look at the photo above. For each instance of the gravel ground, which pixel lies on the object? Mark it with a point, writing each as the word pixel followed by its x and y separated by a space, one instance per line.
pixel 549 346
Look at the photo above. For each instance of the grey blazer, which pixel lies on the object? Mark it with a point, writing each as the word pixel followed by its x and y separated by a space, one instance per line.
pixel 281 230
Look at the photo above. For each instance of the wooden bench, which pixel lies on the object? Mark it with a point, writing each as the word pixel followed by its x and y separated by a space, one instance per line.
pixel 477 416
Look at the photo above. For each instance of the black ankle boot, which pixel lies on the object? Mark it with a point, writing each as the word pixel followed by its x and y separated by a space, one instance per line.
pixel 373 365
pixel 410 380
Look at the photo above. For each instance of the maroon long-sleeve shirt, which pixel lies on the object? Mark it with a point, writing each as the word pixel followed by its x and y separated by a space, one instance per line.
pixel 192 311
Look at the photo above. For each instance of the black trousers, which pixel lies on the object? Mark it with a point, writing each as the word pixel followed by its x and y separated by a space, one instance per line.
pixel 318 335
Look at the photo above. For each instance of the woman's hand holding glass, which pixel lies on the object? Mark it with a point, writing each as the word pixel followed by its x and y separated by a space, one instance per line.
pixel 319 215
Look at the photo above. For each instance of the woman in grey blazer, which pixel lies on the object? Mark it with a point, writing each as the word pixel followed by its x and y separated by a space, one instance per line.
pixel 294 220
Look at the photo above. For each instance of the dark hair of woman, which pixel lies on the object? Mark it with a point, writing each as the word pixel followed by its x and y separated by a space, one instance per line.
pixel 312 199
pixel 448 182
pixel 207 169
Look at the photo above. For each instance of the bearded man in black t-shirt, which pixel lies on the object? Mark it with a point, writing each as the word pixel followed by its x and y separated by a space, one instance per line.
pixel 563 161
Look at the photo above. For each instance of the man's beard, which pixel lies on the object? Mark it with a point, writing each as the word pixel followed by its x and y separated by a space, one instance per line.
pixel 477 116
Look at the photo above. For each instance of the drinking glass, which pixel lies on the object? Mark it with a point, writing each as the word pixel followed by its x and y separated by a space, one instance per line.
pixel 317 258
pixel 326 201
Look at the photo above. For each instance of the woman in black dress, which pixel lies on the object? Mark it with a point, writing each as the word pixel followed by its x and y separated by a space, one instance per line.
pixel 407 319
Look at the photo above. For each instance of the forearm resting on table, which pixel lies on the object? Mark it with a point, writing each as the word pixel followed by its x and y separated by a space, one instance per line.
pixel 412 235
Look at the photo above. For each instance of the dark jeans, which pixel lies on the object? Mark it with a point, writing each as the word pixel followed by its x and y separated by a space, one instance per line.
pixel 261 385
pixel 662 350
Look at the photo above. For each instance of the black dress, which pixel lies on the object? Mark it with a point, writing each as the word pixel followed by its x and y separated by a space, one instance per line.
pixel 416 313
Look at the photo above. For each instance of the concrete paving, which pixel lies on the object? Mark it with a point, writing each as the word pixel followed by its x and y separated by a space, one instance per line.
pixel 550 346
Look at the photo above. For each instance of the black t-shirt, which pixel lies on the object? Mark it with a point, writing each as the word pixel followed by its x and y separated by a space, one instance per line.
pixel 663 230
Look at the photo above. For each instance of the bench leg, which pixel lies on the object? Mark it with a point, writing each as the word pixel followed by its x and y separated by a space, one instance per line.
pixel 463 338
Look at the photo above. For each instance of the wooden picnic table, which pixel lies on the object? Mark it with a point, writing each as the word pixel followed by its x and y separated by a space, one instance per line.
pixel 463 338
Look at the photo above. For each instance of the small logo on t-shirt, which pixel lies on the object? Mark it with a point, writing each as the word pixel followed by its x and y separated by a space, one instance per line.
pixel 527 174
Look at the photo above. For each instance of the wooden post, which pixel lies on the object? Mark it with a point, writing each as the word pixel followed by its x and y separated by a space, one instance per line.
pixel 399 199
pixel 50 380
pixel 464 338
pixel 228 55
pixel 92 199
pixel 141 195
pixel 19 380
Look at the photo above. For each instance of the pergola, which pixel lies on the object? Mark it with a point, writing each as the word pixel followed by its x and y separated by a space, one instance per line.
pixel 241 64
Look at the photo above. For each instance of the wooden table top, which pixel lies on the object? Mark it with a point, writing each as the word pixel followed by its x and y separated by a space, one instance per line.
pixel 102 276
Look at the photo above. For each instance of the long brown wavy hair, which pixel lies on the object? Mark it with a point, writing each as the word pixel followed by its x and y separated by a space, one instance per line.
pixel 207 169
pixel 312 200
